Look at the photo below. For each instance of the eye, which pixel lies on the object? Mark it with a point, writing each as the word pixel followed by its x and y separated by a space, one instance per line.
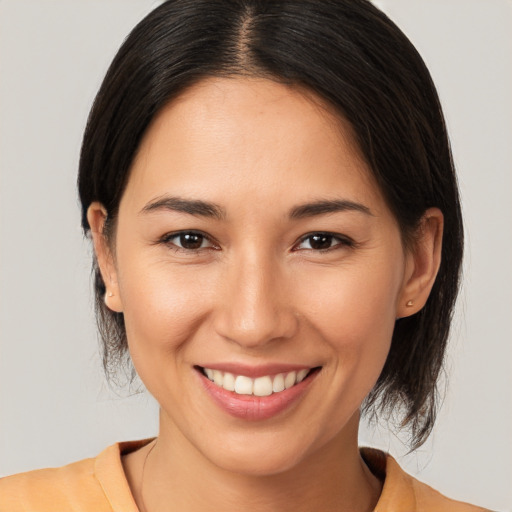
pixel 189 240
pixel 323 242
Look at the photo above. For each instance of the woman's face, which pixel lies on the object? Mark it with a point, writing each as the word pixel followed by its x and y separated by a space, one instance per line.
pixel 251 244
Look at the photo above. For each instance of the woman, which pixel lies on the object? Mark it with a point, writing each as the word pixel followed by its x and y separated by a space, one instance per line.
pixel 277 230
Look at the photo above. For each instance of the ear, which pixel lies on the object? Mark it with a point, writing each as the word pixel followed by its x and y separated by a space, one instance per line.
pixel 422 263
pixel 96 216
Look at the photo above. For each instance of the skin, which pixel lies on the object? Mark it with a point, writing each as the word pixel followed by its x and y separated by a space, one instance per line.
pixel 256 292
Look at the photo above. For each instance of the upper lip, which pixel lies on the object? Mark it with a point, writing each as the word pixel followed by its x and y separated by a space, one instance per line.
pixel 255 371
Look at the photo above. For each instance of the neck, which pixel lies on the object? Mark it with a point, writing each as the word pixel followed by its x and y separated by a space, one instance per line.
pixel 178 477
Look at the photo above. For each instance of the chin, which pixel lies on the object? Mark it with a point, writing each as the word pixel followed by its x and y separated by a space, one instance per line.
pixel 265 454
pixel 257 462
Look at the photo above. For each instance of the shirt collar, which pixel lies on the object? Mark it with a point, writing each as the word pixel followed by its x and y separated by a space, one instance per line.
pixel 397 492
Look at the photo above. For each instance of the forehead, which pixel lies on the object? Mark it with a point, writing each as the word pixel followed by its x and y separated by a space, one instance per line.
pixel 227 137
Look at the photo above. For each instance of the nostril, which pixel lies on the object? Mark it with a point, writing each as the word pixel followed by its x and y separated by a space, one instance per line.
pixel 257 327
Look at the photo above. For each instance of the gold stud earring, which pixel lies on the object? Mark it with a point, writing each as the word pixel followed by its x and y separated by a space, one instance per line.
pixel 110 294
pixel 409 303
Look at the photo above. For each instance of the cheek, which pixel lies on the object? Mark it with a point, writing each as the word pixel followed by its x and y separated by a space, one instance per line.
pixel 354 310
pixel 354 302
pixel 163 311
pixel 163 306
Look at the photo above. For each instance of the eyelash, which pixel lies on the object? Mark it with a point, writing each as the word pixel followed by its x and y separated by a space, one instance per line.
pixel 342 241
pixel 167 240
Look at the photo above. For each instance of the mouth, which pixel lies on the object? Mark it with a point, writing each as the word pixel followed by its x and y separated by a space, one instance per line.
pixel 262 386
pixel 256 393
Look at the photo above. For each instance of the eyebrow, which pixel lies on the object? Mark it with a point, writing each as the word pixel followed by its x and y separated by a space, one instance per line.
pixel 327 206
pixel 201 208
pixel 191 206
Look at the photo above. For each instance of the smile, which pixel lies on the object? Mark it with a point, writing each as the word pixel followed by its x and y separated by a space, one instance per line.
pixel 265 385
pixel 268 392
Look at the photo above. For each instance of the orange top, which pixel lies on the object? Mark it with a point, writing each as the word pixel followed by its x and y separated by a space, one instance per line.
pixel 100 485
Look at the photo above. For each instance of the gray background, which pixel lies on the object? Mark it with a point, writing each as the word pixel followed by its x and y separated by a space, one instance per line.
pixel 54 404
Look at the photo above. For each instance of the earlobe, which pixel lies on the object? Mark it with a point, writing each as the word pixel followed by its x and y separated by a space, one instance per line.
pixel 97 216
pixel 423 261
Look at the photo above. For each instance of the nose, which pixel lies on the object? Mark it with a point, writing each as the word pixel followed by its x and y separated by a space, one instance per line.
pixel 256 307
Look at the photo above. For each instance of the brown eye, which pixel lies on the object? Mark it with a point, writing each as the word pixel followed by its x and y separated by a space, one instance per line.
pixel 188 240
pixel 323 242
pixel 191 240
pixel 319 242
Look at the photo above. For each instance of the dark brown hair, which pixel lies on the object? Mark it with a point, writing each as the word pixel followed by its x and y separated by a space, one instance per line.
pixel 348 53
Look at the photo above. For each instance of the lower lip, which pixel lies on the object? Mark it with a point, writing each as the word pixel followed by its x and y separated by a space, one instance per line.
pixel 254 408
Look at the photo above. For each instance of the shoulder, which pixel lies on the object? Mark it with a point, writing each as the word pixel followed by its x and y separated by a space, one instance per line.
pixel 429 499
pixel 51 489
pixel 90 485
pixel 404 493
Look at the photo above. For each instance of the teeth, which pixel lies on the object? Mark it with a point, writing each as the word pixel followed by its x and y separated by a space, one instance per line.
pixel 301 375
pixel 243 385
pixel 278 384
pixel 218 377
pixel 261 386
pixel 229 382
pixel 290 379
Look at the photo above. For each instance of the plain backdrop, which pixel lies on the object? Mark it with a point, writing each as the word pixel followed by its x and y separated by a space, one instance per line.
pixel 55 406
